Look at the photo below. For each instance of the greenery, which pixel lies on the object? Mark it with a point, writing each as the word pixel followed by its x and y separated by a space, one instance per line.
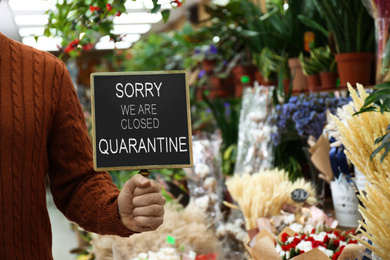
pixel 321 59
pixel 270 64
pixel 81 23
pixel 379 101
pixel 347 22
pixel 227 114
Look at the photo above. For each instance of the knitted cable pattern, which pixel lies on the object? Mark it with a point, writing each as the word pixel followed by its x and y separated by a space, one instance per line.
pixel 38 70
pixel 18 142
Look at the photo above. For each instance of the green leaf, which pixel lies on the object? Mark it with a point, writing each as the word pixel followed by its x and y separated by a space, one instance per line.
pixel 313 24
pixel 165 15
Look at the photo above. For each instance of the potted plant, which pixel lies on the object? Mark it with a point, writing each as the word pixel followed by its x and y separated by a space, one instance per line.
pixel 273 68
pixel 321 63
pixel 348 23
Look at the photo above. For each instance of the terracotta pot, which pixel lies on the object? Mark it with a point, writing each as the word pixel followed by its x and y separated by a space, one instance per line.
pixel 269 83
pixel 354 67
pixel 208 65
pixel 244 70
pixel 313 82
pixel 238 72
pixel 286 85
pixel 259 77
pixel 328 80
pixel 299 79
pixel 221 88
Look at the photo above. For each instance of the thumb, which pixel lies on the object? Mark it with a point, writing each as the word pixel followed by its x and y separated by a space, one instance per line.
pixel 136 181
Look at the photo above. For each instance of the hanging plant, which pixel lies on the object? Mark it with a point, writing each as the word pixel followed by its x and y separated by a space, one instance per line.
pixel 80 24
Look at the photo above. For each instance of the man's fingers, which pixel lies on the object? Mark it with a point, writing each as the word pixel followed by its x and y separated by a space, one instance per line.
pixel 153 187
pixel 137 181
pixel 148 199
pixel 149 211
pixel 149 223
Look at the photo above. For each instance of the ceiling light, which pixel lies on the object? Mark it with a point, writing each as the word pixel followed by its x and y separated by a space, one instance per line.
pixel 31 20
pixel 133 28
pixel 31 5
pixel 125 38
pixel 131 37
pixel 105 45
pixel 34 31
pixel 112 45
pixel 43 43
pixel 147 4
pixel 138 18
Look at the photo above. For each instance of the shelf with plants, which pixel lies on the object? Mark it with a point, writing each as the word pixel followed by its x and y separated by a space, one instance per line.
pixel 264 39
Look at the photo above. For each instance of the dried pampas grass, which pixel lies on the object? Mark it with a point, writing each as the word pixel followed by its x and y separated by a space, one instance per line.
pixel 264 194
pixel 358 134
pixel 188 226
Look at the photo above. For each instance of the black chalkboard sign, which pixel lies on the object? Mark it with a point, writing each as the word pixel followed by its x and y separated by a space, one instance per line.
pixel 141 120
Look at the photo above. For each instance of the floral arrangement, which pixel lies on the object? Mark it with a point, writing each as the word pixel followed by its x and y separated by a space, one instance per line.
pixel 265 193
pixel 358 135
pixel 331 243
pixel 306 114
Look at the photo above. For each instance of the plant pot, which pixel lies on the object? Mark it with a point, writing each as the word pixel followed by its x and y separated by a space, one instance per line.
pixel 238 72
pixel 221 88
pixel 269 83
pixel 354 67
pixel 286 85
pixel 244 70
pixel 328 80
pixel 299 79
pixel 208 65
pixel 313 82
pixel 259 77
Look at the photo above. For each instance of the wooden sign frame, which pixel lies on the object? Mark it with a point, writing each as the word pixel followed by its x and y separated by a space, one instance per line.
pixel 148 166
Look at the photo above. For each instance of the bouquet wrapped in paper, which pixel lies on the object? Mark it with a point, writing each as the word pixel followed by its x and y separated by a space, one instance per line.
pixel 358 134
pixel 319 244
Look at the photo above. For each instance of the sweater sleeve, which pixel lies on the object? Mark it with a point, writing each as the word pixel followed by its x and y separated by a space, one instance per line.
pixel 84 196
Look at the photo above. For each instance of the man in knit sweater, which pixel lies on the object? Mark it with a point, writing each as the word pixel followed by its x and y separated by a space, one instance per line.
pixel 43 132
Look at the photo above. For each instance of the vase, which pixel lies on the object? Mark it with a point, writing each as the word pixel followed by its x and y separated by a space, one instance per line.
pixel 328 80
pixel 345 203
pixel 299 79
pixel 313 82
pixel 354 67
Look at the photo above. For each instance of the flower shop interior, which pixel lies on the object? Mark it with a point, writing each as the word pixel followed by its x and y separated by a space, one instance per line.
pixel 288 124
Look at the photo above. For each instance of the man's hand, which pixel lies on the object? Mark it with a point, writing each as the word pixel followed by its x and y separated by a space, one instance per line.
pixel 141 204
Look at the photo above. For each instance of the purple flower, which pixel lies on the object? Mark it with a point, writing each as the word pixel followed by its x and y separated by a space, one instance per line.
pixel 201 73
pixel 305 114
pixel 213 49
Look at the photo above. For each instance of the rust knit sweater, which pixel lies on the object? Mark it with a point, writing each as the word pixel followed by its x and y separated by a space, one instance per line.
pixel 42 131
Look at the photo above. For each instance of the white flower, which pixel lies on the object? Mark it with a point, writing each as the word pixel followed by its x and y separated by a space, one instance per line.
pixel 327 252
pixel 279 249
pixel 305 246
pixel 142 256
pixel 308 228
pixel 221 231
pixel 209 182
pixel 213 197
pixel 202 170
pixel 202 202
pixel 319 237
pixel 297 228
pixel 342 243
pixel 239 222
